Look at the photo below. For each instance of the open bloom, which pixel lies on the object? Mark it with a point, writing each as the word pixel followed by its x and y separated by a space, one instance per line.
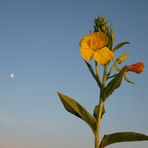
pixel 137 67
pixel 93 46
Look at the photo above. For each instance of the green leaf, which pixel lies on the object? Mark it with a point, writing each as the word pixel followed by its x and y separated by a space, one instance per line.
pixel 91 69
pixel 120 45
pixel 76 109
pixel 122 137
pixel 114 83
pixel 93 73
pixel 96 109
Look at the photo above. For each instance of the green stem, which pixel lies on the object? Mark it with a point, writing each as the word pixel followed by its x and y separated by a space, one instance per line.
pixel 101 104
pixel 97 74
pixel 104 75
pixel 111 69
pixel 97 135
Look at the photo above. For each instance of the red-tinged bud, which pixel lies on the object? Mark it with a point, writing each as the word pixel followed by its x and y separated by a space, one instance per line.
pixel 137 67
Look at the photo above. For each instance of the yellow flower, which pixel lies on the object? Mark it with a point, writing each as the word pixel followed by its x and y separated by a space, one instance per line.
pixel 122 58
pixel 93 46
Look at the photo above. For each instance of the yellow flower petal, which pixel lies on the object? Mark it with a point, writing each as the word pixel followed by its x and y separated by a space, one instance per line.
pixel 107 53
pixel 94 41
pixel 86 53
pixel 99 58
pixel 99 40
pixel 85 50
pixel 85 41
pixel 103 56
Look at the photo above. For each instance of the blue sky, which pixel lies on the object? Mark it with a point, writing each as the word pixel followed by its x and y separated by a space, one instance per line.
pixel 39 43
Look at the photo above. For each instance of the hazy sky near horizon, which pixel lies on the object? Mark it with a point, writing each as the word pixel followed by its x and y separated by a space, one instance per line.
pixel 39 44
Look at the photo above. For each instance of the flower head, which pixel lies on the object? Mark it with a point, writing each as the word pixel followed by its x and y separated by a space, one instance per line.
pixel 93 46
pixel 137 67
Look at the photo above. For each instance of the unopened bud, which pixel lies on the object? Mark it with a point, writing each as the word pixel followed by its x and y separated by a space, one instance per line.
pixel 122 58
pixel 137 67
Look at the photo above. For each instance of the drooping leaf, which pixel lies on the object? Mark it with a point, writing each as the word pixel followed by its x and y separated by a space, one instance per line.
pixel 91 69
pixel 122 137
pixel 114 83
pixel 96 109
pixel 120 45
pixel 93 73
pixel 76 109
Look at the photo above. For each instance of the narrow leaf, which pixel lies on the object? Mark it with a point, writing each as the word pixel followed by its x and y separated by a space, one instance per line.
pixel 114 83
pixel 120 45
pixel 122 137
pixel 93 73
pixel 91 69
pixel 76 109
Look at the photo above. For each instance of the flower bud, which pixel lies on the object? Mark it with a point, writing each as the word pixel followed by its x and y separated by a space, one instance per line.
pixel 137 67
pixel 122 58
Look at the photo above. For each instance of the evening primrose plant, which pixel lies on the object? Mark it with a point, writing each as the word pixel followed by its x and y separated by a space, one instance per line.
pixel 97 47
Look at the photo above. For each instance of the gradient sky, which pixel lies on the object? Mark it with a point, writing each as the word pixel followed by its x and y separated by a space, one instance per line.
pixel 39 43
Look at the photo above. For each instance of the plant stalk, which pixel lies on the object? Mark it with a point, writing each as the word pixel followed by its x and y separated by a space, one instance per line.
pixel 97 134
pixel 101 104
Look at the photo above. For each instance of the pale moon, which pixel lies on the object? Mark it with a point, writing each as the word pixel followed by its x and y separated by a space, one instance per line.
pixel 12 75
